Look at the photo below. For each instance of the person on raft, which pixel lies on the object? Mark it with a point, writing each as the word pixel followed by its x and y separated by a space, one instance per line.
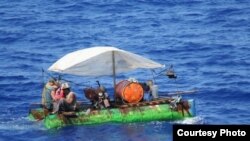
pixel 48 93
pixel 61 92
pixel 68 104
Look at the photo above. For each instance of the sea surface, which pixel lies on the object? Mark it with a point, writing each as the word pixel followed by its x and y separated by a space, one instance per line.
pixel 207 42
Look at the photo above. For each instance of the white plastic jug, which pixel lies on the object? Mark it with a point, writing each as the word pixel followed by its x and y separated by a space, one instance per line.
pixel 154 90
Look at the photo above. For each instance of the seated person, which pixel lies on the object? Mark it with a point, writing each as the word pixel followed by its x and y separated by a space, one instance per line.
pixel 48 93
pixel 67 104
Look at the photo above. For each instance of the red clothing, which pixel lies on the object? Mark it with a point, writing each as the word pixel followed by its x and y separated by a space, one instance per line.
pixel 59 94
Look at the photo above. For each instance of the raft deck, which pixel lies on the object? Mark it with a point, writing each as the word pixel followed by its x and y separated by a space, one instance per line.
pixel 156 110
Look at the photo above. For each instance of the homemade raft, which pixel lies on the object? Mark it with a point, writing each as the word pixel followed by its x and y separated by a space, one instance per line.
pixel 129 103
pixel 157 110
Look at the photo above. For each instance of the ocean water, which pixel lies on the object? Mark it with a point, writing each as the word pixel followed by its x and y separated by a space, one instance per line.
pixel 207 42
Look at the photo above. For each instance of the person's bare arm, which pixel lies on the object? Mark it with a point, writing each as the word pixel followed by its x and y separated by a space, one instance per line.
pixel 53 93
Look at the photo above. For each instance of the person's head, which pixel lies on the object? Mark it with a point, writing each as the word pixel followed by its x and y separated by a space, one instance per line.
pixel 52 82
pixel 66 88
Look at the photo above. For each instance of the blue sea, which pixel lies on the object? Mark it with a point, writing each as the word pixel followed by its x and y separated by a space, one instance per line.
pixel 207 42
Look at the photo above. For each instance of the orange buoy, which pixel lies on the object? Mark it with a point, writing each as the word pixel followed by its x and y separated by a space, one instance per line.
pixel 131 92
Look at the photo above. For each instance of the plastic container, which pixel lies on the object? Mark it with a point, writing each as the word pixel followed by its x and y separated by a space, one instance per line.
pixel 154 90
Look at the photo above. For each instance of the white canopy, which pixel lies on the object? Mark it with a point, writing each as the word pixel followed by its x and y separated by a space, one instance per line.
pixel 98 61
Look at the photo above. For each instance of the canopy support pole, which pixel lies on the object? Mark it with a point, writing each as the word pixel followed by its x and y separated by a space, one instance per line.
pixel 114 73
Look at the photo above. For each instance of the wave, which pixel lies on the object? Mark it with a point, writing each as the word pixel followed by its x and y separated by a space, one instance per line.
pixel 20 124
pixel 193 120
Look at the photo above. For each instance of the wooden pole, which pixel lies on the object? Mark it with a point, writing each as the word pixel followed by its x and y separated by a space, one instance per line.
pixel 114 73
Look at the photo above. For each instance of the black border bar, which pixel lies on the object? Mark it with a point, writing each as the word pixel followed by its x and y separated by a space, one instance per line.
pixel 211 132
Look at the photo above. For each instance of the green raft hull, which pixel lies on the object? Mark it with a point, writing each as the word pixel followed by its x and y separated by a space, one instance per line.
pixel 157 112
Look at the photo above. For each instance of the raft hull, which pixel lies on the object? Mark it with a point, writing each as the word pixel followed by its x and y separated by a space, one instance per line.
pixel 147 113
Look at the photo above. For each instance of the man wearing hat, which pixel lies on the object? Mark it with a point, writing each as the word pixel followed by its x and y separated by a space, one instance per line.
pixel 67 104
pixel 62 92
pixel 65 88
